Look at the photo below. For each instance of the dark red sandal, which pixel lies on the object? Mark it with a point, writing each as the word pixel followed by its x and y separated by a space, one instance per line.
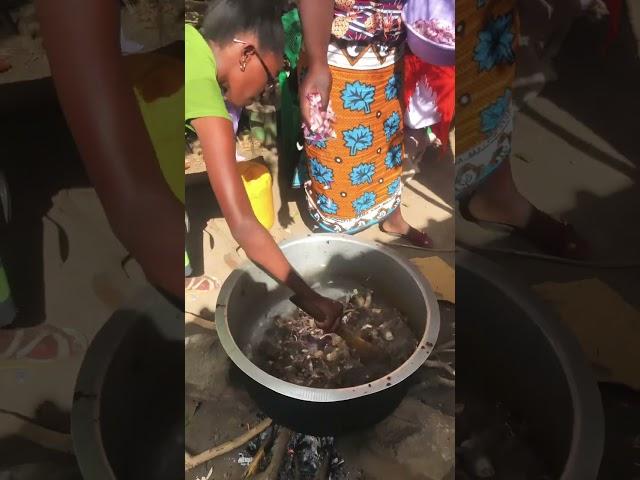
pixel 552 236
pixel 414 236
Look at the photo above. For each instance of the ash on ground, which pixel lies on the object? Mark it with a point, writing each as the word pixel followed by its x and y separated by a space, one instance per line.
pixel 310 457
pixel 295 350
pixel 306 457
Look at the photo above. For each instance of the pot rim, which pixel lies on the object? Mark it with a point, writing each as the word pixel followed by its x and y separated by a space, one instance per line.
pixel 587 443
pixel 86 430
pixel 309 394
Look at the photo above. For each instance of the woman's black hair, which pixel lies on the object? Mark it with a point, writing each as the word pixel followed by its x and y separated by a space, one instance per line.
pixel 226 18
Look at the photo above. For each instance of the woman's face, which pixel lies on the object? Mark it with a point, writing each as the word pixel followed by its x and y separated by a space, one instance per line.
pixel 249 76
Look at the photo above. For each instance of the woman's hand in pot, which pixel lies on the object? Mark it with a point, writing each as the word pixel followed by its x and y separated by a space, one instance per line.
pixel 325 311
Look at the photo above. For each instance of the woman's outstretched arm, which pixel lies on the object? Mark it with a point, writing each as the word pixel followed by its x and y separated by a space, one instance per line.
pixel 82 41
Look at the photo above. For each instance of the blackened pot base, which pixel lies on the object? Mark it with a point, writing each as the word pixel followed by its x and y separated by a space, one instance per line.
pixel 323 418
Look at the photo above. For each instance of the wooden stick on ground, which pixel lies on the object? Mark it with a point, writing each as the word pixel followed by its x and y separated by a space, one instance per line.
pixel 441 365
pixel 446 382
pixel 195 460
pixel 415 247
pixel 323 471
pixel 279 450
pixel 252 469
pixel 451 344
pixel 190 317
pixel 27 428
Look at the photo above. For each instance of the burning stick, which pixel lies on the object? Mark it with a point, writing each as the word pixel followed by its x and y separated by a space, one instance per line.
pixel 441 365
pixel 279 449
pixel 446 382
pixel 323 472
pixel 447 347
pixel 252 469
pixel 37 434
pixel 192 462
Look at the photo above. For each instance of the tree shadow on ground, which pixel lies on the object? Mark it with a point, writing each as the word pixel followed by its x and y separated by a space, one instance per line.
pixel 437 173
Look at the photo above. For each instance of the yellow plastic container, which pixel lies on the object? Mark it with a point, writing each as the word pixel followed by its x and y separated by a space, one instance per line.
pixel 258 183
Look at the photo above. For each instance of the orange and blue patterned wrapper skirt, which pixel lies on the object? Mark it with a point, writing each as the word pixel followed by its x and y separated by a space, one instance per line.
pixel 355 177
pixel 486 42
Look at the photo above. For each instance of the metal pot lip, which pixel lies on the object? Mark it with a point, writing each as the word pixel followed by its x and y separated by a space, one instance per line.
pixel 325 395
pixel 85 411
pixel 587 444
pixel 404 15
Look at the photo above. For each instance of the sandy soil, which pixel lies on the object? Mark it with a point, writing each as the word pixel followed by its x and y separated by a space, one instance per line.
pixel 21 43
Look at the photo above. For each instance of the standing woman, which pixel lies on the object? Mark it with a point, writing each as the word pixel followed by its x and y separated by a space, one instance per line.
pixel 486 44
pixel 353 53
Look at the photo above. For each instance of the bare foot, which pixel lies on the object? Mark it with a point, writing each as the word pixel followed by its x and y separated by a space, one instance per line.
pixel 487 206
pixel 498 200
pixel 203 283
pixel 395 223
pixel 42 343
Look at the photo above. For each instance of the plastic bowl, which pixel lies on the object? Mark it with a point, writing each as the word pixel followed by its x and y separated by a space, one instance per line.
pixel 425 49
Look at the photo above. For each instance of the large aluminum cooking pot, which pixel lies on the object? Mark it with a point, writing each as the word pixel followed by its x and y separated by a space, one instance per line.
pixel 127 419
pixel 336 263
pixel 511 348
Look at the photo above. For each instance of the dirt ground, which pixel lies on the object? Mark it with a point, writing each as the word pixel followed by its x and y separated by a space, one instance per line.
pixel 142 31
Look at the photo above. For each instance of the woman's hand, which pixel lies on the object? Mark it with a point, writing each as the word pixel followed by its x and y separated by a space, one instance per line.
pixel 326 312
pixel 317 80
pixel 316 17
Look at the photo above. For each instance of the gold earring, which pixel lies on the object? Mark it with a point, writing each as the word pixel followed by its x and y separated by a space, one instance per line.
pixel 243 63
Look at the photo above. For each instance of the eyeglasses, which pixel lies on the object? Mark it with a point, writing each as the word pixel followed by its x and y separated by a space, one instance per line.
pixel 271 81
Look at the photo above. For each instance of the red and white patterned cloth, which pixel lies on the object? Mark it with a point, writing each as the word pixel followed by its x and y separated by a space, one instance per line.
pixel 429 93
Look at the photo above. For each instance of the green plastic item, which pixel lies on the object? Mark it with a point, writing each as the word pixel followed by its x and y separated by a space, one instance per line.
pixel 187 265
pixel 4 285
pixel 293 36
pixel 289 113
pixel 8 310
pixel 263 126
pixel 256 124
